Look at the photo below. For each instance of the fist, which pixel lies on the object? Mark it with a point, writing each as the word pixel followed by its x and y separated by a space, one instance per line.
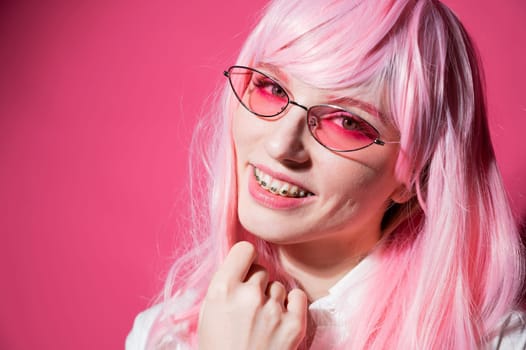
pixel 244 310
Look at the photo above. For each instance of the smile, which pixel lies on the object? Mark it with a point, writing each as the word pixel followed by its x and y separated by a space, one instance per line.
pixel 279 187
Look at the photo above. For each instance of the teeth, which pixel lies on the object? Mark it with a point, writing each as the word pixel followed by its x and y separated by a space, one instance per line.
pixel 265 181
pixel 294 191
pixel 284 190
pixel 279 187
pixel 275 185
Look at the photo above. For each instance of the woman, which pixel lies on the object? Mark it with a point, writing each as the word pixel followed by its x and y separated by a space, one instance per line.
pixel 353 153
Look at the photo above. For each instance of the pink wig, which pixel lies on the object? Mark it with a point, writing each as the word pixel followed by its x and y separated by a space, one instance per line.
pixel 450 258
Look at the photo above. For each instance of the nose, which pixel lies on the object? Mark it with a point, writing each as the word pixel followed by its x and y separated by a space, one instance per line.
pixel 286 142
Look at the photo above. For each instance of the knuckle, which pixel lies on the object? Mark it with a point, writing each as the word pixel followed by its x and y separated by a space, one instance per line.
pixel 272 323
pixel 245 247
pixel 274 310
pixel 278 288
pixel 250 296
pixel 279 285
pixel 296 293
pixel 252 290
pixel 294 327
pixel 218 291
pixel 273 315
pixel 258 276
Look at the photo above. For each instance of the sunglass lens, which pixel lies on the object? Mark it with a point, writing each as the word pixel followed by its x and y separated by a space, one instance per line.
pixel 340 130
pixel 258 93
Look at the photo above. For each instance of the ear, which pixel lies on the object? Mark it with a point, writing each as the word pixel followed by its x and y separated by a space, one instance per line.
pixel 401 194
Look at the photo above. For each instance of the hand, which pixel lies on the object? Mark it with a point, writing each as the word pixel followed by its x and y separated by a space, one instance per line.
pixel 242 310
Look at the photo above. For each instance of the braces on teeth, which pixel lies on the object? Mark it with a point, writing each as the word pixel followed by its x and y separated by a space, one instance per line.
pixel 279 187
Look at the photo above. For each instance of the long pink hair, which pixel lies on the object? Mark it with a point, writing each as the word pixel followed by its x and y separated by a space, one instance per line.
pixel 450 263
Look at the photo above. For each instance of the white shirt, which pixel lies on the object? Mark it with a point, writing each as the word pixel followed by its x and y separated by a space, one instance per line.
pixel 330 325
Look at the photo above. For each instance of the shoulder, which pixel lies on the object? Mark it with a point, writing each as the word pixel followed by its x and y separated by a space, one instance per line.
pixel 138 337
pixel 511 333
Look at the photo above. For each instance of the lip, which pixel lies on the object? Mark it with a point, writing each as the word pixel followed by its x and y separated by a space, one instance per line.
pixel 271 200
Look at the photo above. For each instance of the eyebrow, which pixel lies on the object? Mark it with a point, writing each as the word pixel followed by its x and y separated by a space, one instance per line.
pixel 366 107
pixel 275 71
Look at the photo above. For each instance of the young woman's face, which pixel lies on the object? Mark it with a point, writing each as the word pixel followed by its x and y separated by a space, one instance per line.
pixel 340 196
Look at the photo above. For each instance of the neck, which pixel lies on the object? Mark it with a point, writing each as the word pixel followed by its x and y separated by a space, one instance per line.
pixel 318 265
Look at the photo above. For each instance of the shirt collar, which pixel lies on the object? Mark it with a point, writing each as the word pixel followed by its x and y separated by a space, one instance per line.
pixel 351 286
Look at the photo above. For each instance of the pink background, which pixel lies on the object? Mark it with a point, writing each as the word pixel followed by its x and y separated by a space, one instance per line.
pixel 96 102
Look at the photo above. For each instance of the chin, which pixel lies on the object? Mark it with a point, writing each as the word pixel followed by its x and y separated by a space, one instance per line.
pixel 271 232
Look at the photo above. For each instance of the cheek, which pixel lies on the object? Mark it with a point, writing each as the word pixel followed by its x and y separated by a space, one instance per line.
pixel 347 194
pixel 243 132
pixel 366 182
pixel 358 204
pixel 237 135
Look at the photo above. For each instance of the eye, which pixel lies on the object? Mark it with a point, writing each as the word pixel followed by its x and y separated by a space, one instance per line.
pixel 268 86
pixel 278 90
pixel 349 123
pixel 340 130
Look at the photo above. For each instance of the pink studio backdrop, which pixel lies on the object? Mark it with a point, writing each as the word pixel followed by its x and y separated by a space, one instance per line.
pixel 97 103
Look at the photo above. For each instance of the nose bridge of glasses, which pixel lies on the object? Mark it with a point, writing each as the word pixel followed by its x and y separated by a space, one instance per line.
pixel 298 105
pixel 294 128
pixel 312 119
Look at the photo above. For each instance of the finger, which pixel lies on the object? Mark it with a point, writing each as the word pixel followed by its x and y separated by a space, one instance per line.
pixel 237 263
pixel 277 291
pixel 257 274
pixel 296 316
pixel 297 303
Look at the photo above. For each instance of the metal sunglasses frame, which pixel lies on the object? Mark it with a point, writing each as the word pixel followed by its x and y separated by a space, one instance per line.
pixel 311 120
